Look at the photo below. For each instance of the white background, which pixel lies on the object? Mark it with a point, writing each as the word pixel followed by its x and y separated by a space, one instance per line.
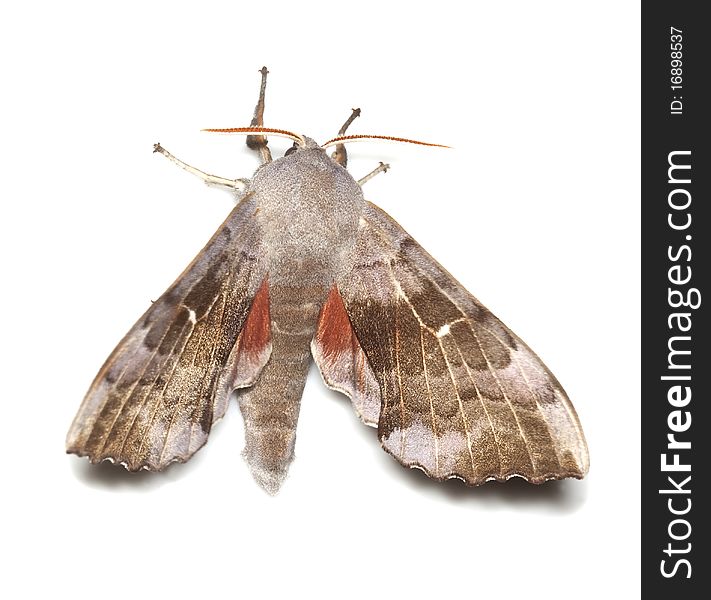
pixel 535 210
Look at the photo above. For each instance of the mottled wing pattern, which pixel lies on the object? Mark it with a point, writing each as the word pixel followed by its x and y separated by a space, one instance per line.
pixel 461 395
pixel 158 394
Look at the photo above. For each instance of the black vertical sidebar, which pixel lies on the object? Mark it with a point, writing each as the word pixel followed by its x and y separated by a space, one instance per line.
pixel 676 262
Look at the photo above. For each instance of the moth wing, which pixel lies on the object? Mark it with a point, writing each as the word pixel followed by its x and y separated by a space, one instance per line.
pixel 342 362
pixel 156 397
pixel 460 395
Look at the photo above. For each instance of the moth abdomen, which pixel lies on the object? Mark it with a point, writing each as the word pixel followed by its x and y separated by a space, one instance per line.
pixel 270 407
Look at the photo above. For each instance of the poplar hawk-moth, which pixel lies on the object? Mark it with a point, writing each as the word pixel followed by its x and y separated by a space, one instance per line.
pixel 305 267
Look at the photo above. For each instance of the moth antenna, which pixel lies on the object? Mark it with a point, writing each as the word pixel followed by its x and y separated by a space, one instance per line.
pixel 278 132
pixel 358 138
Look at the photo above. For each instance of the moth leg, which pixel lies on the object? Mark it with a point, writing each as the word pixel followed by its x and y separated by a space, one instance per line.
pixel 381 168
pixel 259 142
pixel 340 155
pixel 238 185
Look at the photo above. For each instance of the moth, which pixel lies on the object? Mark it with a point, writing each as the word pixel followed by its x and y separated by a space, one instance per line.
pixel 304 267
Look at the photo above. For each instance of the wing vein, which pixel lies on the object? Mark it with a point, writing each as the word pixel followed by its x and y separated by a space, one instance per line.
pixel 530 388
pixel 566 402
pixel 399 378
pixel 127 397
pixel 218 297
pixel 183 397
pixel 148 362
pixel 159 400
pixel 488 363
pixel 150 389
pixel 213 350
pixel 508 401
pixel 429 396
pixel 461 406
pixel 481 400
pixel 108 396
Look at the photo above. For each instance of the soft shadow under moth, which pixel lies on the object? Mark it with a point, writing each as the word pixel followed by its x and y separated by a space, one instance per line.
pixel 305 267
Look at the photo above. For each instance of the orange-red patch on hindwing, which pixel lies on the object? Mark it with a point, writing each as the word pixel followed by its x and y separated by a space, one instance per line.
pixel 254 345
pixel 341 360
pixel 334 334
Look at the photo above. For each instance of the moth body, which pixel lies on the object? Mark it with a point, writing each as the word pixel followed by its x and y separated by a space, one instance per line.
pixel 307 207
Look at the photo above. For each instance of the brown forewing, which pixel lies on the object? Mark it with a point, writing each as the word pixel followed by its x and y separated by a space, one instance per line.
pixel 460 394
pixel 155 399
